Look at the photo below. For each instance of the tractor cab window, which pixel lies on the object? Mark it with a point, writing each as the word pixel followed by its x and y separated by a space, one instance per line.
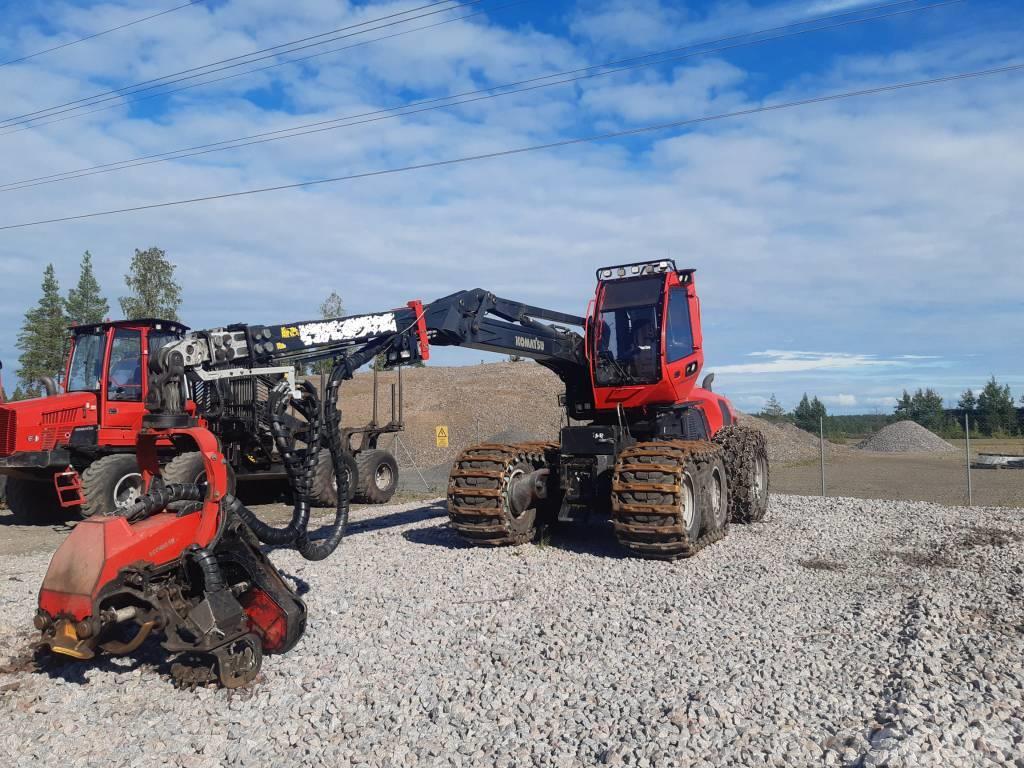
pixel 124 377
pixel 679 334
pixel 628 339
pixel 159 338
pixel 87 362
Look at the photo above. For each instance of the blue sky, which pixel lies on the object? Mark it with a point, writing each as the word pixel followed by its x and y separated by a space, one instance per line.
pixel 848 249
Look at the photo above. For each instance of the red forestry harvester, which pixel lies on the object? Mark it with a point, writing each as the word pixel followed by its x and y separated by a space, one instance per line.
pixel 645 444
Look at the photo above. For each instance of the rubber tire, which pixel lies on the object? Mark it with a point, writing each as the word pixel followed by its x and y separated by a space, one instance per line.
pixel 367 490
pixel 325 492
pixel 709 521
pixel 188 468
pixel 99 481
pixel 744 447
pixel 33 502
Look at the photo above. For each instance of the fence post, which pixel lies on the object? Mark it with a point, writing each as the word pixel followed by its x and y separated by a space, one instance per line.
pixel 967 434
pixel 821 438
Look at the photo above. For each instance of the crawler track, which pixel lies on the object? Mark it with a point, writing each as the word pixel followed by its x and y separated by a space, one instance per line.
pixel 648 498
pixel 478 492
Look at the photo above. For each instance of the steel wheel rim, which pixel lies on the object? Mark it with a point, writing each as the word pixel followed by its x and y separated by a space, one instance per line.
pixel 687 507
pixel 516 472
pixel 127 491
pixel 717 505
pixel 759 477
pixel 382 478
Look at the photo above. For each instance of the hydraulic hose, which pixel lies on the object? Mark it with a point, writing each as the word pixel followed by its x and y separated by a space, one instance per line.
pixel 323 547
pixel 300 469
pixel 160 497
pixel 206 561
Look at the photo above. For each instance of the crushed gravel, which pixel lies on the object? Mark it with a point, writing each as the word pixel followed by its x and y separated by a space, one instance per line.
pixel 836 632
pixel 905 437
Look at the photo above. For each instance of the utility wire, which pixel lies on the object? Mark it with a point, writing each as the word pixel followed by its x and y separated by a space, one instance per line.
pixel 416 107
pixel 99 34
pixel 31 125
pixel 534 147
pixel 147 85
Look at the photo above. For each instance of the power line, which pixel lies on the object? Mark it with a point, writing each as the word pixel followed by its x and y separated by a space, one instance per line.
pixel 426 105
pixel 31 124
pixel 533 148
pixel 153 83
pixel 99 34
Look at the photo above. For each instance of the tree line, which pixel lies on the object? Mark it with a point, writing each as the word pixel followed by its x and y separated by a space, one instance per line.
pixel 43 338
pixel 991 412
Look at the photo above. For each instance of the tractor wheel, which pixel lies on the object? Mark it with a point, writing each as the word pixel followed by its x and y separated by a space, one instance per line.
pixel 377 477
pixel 663 498
pixel 716 514
pixel 33 501
pixel 325 486
pixel 479 508
pixel 746 465
pixel 188 469
pixel 111 485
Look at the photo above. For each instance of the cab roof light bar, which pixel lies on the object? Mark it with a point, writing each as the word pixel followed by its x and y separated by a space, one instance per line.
pixel 620 271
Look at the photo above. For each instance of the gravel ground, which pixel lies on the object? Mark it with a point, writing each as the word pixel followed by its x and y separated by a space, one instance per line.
pixel 836 632
pixel 905 437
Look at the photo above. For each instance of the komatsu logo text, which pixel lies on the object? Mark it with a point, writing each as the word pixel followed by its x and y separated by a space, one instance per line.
pixel 525 342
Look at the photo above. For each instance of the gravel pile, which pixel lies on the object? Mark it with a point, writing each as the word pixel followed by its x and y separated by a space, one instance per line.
pixel 836 632
pixel 788 444
pixel 905 437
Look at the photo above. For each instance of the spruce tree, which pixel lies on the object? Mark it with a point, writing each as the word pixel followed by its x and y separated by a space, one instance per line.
pixel 968 401
pixel 996 411
pixel 85 303
pixel 42 336
pixel 773 410
pixel 153 292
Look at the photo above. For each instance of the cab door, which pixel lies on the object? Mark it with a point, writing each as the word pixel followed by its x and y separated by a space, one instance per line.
pixel 121 405
pixel 683 358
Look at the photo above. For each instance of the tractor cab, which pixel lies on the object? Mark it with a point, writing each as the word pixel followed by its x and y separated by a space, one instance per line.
pixel 110 361
pixel 645 338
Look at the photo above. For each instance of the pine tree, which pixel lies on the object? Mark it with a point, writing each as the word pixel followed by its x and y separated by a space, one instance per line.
pixel 85 303
pixel 803 415
pixel 153 292
pixel 42 336
pixel 968 401
pixel 996 411
pixel 331 307
pixel 773 410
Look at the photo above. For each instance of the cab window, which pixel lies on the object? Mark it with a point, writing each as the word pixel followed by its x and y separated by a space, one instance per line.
pixel 679 334
pixel 87 362
pixel 124 377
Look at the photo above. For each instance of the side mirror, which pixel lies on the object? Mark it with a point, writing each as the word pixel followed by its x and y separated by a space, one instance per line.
pixel 708 381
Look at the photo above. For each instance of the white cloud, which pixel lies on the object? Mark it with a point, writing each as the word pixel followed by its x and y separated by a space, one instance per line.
pixel 840 400
pixel 791 361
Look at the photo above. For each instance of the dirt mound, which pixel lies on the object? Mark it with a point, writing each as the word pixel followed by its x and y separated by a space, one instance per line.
pixel 495 402
pixel 905 437
pixel 788 444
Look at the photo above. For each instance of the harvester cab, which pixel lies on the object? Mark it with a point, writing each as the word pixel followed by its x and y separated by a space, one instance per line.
pixel 645 343
pixel 45 442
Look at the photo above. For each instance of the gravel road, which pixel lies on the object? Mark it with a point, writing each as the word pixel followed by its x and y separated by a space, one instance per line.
pixel 836 632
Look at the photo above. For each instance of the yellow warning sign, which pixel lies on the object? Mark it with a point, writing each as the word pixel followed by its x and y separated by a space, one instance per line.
pixel 441 436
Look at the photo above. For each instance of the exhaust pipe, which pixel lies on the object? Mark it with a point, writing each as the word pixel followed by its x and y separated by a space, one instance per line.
pixel 48 384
